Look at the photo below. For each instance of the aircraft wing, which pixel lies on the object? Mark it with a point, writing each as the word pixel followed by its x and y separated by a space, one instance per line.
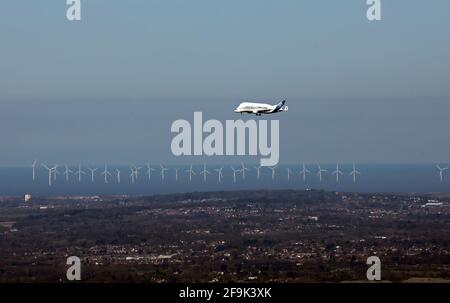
pixel 260 111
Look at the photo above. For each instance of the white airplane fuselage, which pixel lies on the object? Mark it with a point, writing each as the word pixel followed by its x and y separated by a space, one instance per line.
pixel 260 108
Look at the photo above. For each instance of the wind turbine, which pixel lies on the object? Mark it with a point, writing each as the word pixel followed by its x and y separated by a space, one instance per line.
pixel 273 168
pixel 354 172
pixel 50 173
pixel 79 172
pixel 176 174
pixel 92 170
pixel 67 171
pixel 204 172
pixel 132 174
pixel 55 172
pixel 337 172
pixel 118 175
pixel 219 172
pixel 304 171
pixel 149 171
pixel 441 171
pixel 136 171
pixel 243 169
pixel 234 173
pixel 106 173
pixel 191 172
pixel 163 170
pixel 33 167
pixel 320 171
pixel 258 171
pixel 288 173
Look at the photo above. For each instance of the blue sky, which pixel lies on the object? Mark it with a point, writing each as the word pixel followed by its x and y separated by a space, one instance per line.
pixel 107 88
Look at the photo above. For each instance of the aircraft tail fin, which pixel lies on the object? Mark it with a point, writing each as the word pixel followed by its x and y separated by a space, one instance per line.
pixel 279 106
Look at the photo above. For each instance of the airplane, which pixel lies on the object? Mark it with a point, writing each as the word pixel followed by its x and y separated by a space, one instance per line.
pixel 261 108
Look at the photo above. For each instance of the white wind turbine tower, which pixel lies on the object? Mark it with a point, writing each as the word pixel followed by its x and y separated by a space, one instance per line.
pixel 106 173
pixel 163 170
pixel 176 174
pixel 191 172
pixel 273 168
pixel 354 173
pixel 243 169
pixel 149 171
pixel 337 172
pixel 132 174
pixel 441 171
pixel 304 171
pixel 219 172
pixel 79 172
pixel 320 171
pixel 258 171
pixel 67 171
pixel 288 170
pixel 136 171
pixel 55 172
pixel 234 173
pixel 118 175
pixel 204 172
pixel 92 170
pixel 33 167
pixel 50 173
